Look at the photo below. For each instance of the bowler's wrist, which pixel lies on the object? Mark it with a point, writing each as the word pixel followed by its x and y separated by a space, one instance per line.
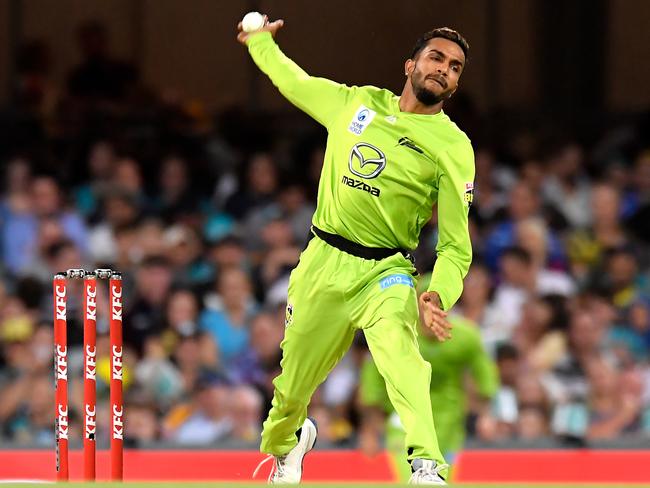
pixel 257 37
pixel 435 299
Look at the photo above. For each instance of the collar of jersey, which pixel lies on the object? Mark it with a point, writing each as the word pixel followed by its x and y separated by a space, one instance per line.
pixel 397 111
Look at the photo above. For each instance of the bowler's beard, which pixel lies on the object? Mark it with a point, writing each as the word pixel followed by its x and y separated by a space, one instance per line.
pixel 426 97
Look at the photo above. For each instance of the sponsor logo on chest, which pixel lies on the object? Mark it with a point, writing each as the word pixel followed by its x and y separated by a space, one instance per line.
pixel 361 119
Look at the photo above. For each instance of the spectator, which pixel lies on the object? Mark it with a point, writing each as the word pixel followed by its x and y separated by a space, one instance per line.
pixel 246 415
pixel 142 424
pixel 260 363
pixel 229 313
pixel 182 320
pixel 517 285
pixel 144 315
pixel 32 422
pixel 522 203
pixel 637 198
pixel 120 210
pixel 127 252
pixel 101 165
pixel 149 240
pixel 492 198
pixel 176 199
pixel 622 277
pixel 157 378
pixel 257 189
pixel 504 405
pixel 20 229
pixel 229 252
pixel 613 408
pixel 532 174
pixel 279 257
pixel 182 313
pixel 566 381
pixel 128 178
pixel 587 246
pixel 291 207
pixel 17 179
pixel 190 357
pixel 566 187
pixel 533 236
pixel 184 250
pixel 639 320
pixel 541 336
pixel 205 420
pixel 532 424
pixel 531 393
pixel 475 303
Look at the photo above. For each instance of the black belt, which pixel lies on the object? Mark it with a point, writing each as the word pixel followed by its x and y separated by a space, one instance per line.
pixel 358 250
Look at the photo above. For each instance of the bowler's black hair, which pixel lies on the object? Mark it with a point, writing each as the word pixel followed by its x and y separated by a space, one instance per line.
pixel 444 32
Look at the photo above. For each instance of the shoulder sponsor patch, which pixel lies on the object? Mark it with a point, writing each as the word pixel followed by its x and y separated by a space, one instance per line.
pixel 469 194
pixel 395 279
pixel 361 119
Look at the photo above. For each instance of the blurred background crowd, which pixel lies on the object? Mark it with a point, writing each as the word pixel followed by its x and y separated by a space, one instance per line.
pixel 206 214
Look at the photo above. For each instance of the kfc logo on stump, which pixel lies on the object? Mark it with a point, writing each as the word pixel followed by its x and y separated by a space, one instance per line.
pixel 91 368
pixel 61 362
pixel 118 425
pixel 91 412
pixel 116 303
pixel 59 303
pixel 62 422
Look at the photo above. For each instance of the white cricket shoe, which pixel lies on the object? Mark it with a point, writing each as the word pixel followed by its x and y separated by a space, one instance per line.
pixel 426 472
pixel 287 469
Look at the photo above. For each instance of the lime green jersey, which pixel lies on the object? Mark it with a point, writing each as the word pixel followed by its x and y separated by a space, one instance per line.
pixel 384 169
pixel 450 362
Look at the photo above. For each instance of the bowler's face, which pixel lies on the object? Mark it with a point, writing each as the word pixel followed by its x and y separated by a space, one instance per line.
pixel 435 71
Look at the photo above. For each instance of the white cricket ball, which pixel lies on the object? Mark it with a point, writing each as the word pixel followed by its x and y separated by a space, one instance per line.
pixel 252 21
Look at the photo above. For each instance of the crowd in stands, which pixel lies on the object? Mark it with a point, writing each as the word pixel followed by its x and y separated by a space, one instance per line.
pixel 206 225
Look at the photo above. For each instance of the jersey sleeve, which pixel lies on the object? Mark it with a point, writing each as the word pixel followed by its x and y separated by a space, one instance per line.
pixel 320 98
pixel 454 248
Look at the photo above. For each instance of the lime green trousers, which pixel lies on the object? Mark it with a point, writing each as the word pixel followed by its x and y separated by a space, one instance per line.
pixel 331 295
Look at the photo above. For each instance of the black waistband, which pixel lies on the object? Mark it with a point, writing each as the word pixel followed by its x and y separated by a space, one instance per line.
pixel 358 250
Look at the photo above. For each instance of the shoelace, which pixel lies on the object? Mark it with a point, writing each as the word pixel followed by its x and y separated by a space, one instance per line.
pixel 278 466
pixel 428 474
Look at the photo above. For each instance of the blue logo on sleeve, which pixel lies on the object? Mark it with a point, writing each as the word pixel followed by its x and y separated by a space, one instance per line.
pixel 362 115
pixel 395 279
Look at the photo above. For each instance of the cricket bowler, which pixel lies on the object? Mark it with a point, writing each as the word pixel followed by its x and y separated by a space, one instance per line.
pixel 389 160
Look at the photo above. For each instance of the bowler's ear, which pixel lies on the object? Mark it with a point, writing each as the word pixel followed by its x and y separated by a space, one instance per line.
pixel 408 66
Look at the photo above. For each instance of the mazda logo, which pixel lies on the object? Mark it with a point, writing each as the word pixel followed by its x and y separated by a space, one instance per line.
pixel 366 161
